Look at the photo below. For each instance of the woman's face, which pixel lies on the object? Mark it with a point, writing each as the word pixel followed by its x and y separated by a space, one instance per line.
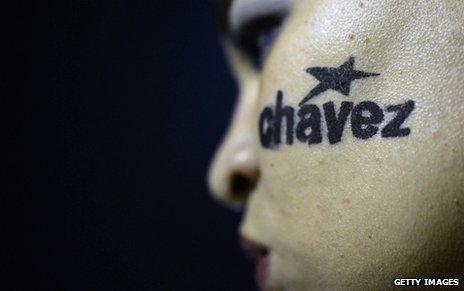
pixel 347 143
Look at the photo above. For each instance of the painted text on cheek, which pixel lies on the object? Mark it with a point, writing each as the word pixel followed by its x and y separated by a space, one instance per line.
pixel 283 124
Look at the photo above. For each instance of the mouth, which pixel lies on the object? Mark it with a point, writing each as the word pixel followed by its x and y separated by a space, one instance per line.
pixel 260 255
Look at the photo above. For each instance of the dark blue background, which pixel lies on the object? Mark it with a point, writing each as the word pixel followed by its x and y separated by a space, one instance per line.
pixel 117 109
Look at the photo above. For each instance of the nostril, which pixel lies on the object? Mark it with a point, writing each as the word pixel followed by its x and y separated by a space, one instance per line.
pixel 241 186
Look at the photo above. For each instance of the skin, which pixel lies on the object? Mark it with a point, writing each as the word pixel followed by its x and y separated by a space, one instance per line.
pixel 361 212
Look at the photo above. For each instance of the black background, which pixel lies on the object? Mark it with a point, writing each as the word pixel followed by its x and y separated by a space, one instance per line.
pixel 113 111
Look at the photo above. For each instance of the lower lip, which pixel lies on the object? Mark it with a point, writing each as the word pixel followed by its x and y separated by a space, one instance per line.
pixel 262 273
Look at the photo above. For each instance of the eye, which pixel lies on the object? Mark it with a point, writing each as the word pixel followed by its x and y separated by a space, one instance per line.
pixel 257 36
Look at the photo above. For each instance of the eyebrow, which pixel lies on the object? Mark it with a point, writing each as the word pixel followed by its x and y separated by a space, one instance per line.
pixel 222 16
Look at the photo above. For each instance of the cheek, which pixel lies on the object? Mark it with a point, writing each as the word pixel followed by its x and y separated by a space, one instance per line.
pixel 343 212
pixel 374 207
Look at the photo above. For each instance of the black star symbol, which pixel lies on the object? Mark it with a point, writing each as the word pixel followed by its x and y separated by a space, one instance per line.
pixel 338 79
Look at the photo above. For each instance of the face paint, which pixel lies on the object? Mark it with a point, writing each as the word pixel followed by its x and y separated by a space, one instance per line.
pixel 338 79
pixel 366 117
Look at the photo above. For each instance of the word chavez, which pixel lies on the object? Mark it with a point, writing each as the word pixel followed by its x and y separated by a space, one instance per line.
pixel 305 123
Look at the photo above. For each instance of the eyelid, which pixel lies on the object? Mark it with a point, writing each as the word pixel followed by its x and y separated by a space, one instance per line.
pixel 257 25
pixel 245 11
pixel 253 37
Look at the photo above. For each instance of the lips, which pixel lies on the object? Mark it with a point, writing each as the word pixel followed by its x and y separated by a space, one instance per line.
pixel 259 254
pixel 262 273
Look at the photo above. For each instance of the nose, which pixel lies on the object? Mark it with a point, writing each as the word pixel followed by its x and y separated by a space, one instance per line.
pixel 234 171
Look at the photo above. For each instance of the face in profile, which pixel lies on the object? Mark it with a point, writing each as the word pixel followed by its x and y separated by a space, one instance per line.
pixel 346 147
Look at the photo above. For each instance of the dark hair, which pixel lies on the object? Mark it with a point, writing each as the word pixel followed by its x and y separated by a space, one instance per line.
pixel 222 9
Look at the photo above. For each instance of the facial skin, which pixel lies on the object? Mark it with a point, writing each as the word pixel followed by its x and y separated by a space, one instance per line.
pixel 358 213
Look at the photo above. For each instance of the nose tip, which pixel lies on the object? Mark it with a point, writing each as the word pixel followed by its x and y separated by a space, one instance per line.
pixel 234 174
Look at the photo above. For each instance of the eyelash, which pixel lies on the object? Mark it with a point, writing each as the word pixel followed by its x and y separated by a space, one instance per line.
pixel 257 37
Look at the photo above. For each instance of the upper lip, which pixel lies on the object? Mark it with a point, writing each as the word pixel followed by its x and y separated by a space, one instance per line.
pixel 259 254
